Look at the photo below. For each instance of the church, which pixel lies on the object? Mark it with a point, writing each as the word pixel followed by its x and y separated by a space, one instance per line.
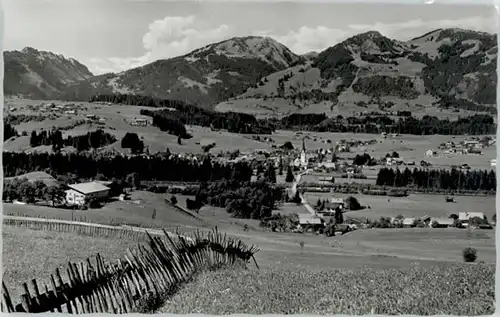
pixel 302 161
pixel 303 157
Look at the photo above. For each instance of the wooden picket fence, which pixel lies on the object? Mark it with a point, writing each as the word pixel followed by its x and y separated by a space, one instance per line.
pixel 145 274
pixel 88 229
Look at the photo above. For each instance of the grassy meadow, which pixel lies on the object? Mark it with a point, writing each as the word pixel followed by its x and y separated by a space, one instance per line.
pixel 415 205
pixel 135 212
pixel 420 290
pixel 29 254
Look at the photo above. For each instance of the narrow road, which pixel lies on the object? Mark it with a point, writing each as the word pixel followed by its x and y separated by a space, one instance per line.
pixel 306 204
pixel 303 200
pixel 97 225
pixel 296 181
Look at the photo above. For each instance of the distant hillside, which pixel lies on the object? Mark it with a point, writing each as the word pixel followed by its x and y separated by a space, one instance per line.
pixel 47 179
pixel 310 55
pixel 203 77
pixel 444 68
pixel 39 75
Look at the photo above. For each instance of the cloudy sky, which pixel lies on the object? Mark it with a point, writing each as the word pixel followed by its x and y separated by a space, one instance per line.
pixel 115 35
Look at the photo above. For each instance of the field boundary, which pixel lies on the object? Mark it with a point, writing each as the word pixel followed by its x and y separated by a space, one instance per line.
pixel 84 227
pixel 133 284
pixel 359 187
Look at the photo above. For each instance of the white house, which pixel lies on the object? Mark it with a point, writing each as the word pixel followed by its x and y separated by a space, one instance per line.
pixel 471 142
pixel 78 194
pixel 409 222
pixel 140 122
pixel 309 220
pixel 493 162
pixel 430 153
pixel 466 216
pixel 328 165
pixel 442 222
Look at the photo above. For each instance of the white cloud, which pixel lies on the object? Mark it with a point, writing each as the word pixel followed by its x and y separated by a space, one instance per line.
pixel 166 38
pixel 174 36
pixel 414 28
pixel 307 39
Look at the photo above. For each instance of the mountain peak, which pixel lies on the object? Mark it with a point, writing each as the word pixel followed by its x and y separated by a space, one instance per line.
pixel 248 47
pixel 368 35
pixel 40 74
pixel 371 34
pixel 30 50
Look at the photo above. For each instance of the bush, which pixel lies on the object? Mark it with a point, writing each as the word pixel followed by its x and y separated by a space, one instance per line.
pixel 470 254
pixel 289 175
pixel 173 200
pixel 330 230
pixel 352 203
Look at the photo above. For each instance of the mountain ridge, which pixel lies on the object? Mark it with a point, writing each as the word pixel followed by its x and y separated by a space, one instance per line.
pixel 436 68
pixel 444 68
pixel 40 74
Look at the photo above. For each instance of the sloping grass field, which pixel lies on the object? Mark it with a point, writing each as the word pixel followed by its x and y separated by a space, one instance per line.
pixel 29 254
pixel 135 212
pixel 456 289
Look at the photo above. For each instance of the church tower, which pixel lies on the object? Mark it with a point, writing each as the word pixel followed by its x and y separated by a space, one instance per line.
pixel 303 160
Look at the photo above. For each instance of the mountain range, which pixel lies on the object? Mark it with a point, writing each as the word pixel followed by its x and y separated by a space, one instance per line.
pixel 252 74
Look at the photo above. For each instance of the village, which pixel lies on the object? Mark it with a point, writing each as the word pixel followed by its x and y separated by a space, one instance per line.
pixel 327 169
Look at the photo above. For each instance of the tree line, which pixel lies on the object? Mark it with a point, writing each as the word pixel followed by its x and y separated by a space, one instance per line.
pixel 453 179
pixel 248 200
pixel 161 167
pixel 427 125
pixel 24 190
pixel 8 131
pixel 93 139
pixel 178 114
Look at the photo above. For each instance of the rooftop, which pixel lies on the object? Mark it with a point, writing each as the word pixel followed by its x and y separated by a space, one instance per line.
pixel 88 188
pixel 444 221
pixel 409 221
pixel 468 215
pixel 309 219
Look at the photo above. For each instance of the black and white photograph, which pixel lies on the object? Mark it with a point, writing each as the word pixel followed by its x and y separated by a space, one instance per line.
pixel 232 157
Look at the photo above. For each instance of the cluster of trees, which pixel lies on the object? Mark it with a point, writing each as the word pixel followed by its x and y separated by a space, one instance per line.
pixel 427 125
pixel 133 142
pixel 8 131
pixel 29 192
pixel 138 100
pixel 376 59
pixel 303 120
pixel 267 173
pixel 450 102
pixel 379 85
pixel 364 159
pixel 159 167
pixel 16 119
pixel 94 139
pixel 174 121
pixel 453 179
pixel 249 200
